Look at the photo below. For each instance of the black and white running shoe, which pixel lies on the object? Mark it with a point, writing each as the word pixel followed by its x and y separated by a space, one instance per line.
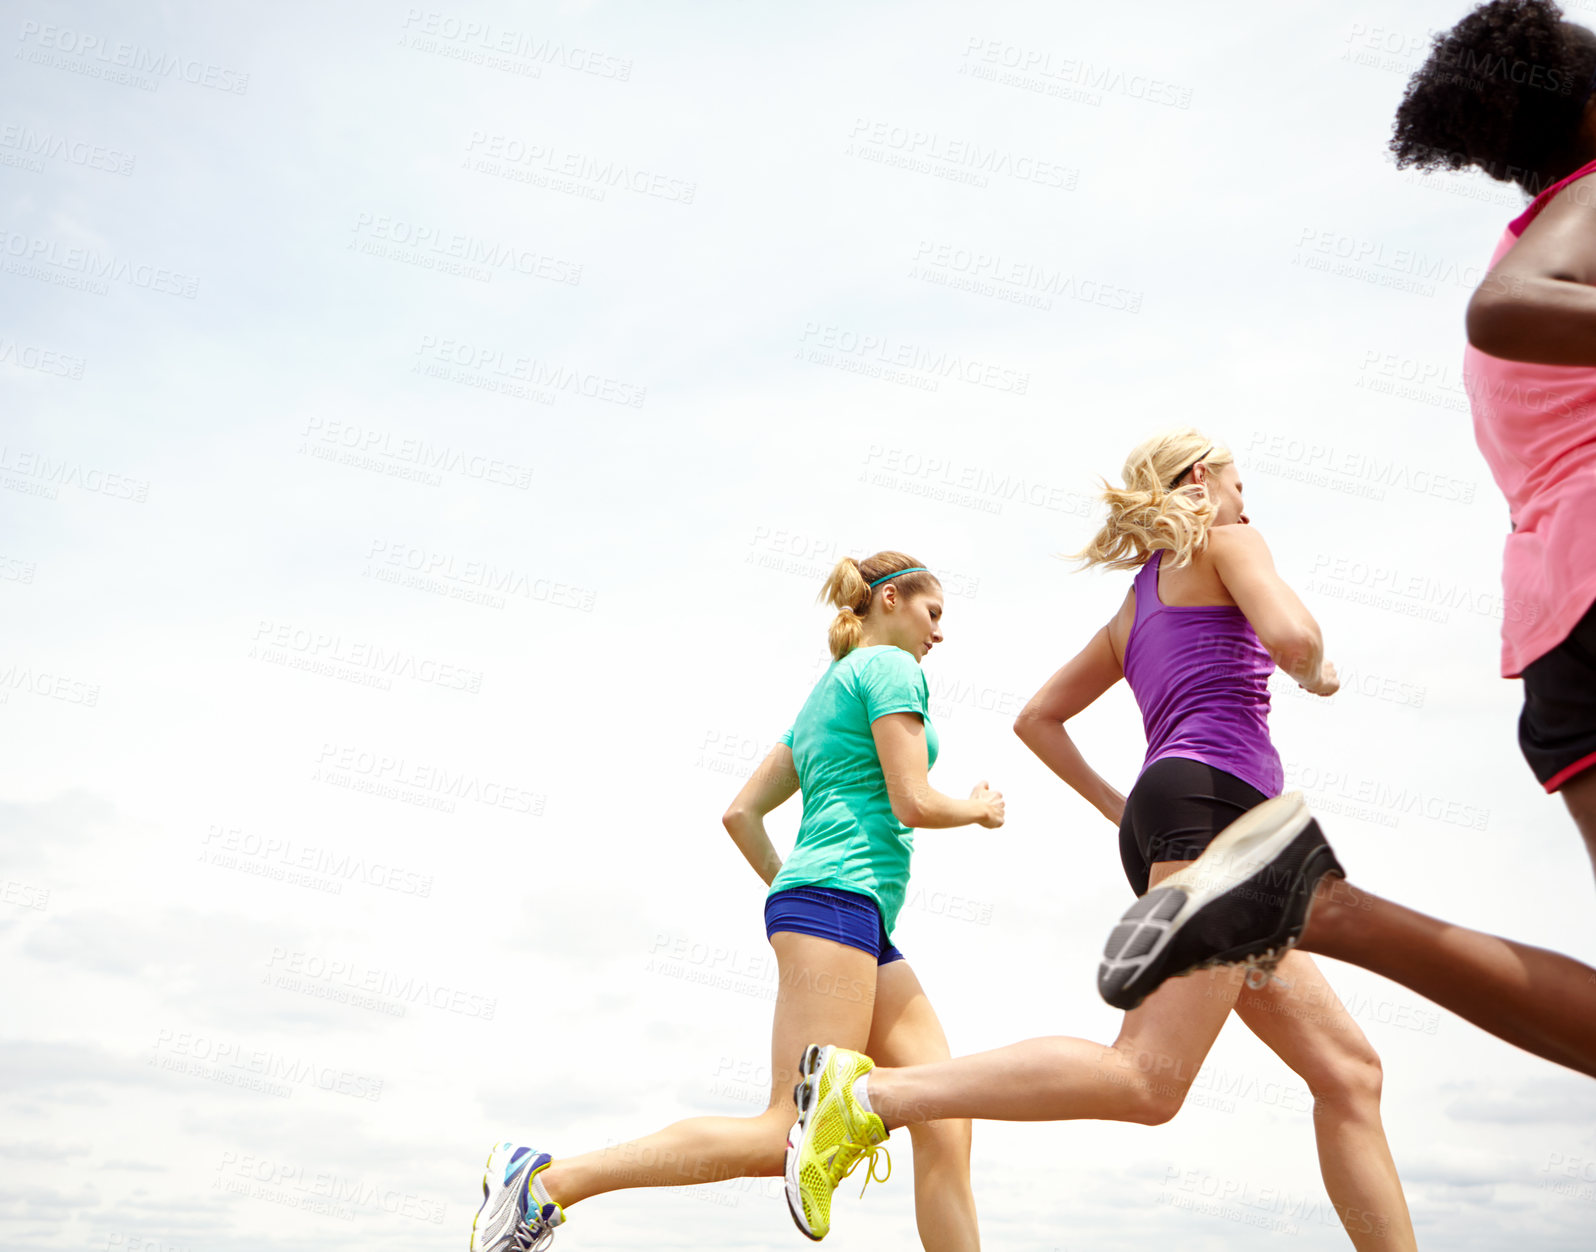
pixel 1245 900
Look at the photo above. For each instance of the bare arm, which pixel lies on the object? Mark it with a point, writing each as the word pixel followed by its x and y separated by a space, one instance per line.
pixel 1281 621
pixel 1539 302
pixel 900 743
pixel 1040 724
pixel 770 786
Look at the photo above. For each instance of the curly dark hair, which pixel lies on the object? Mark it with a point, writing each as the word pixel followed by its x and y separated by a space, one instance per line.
pixel 1504 90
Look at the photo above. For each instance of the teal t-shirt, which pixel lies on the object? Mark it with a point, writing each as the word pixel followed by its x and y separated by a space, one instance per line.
pixel 849 839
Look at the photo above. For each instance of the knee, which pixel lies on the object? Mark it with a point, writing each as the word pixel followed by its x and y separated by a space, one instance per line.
pixel 945 1142
pixel 1156 1103
pixel 1150 1088
pixel 777 1119
pixel 775 1122
pixel 1354 1078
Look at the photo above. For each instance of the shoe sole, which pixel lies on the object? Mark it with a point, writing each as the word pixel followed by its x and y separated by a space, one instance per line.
pixel 803 1095
pixel 1132 967
pixel 485 1194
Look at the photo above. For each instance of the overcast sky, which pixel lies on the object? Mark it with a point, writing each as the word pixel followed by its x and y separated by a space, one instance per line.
pixel 425 432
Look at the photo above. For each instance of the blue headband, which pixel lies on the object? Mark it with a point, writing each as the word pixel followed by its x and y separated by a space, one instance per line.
pixel 898 573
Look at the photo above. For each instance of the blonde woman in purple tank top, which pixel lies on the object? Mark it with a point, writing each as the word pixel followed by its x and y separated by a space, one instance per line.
pixel 1530 371
pixel 1205 624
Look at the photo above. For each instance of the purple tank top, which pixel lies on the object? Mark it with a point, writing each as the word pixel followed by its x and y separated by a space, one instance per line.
pixel 1201 679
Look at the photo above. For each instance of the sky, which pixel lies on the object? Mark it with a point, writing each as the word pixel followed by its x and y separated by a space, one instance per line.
pixel 425 432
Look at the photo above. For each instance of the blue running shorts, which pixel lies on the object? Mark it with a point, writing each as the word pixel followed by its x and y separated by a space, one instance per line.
pixel 841 916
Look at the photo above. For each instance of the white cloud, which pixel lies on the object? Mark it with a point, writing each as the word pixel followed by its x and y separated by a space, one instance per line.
pixel 381 637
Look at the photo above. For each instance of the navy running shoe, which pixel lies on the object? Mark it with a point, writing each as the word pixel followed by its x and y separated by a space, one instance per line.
pixel 1243 901
pixel 516 1214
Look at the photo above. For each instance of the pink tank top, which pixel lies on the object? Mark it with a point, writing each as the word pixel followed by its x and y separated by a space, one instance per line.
pixel 1201 679
pixel 1536 427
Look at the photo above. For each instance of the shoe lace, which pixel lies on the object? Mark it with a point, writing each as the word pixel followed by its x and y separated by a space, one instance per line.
pixel 532 1236
pixel 868 1152
pixel 1261 968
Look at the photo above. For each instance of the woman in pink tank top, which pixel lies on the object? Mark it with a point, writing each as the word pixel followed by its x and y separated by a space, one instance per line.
pixel 1510 90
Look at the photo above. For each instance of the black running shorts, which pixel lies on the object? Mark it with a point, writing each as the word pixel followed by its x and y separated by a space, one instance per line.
pixel 1557 729
pixel 1174 811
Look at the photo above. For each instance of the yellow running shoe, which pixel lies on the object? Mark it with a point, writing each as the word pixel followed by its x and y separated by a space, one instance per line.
pixel 832 1135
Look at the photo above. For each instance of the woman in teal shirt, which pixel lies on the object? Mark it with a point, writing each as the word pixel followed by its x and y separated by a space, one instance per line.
pixel 860 750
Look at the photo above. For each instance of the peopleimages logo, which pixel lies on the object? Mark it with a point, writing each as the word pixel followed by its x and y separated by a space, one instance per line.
pixel 275 856
pixel 285 643
pixel 432 246
pixel 37 146
pixel 822 342
pixel 1065 78
pixel 1399 269
pixel 319 1191
pixel 89 265
pixel 482 43
pixel 36 473
pixel 398 777
pixel 952 157
pixel 231 1063
pixel 44 360
pixel 538 374
pixel 1412 593
pixel 402 456
pixel 524 160
pixel 1017 282
pixel 314 974
pixel 1352 470
pixel 97 56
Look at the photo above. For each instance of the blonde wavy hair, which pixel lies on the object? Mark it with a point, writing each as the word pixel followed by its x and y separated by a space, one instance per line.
pixel 1151 511
pixel 849 591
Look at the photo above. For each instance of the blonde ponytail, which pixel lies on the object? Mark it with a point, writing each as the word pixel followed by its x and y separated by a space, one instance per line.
pixel 1150 512
pixel 848 590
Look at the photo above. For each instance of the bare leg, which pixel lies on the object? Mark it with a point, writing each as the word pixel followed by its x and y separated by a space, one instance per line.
pixel 1306 1025
pixel 1539 1000
pixel 826 995
pixel 906 1032
pixel 1142 1077
pixel 1579 793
